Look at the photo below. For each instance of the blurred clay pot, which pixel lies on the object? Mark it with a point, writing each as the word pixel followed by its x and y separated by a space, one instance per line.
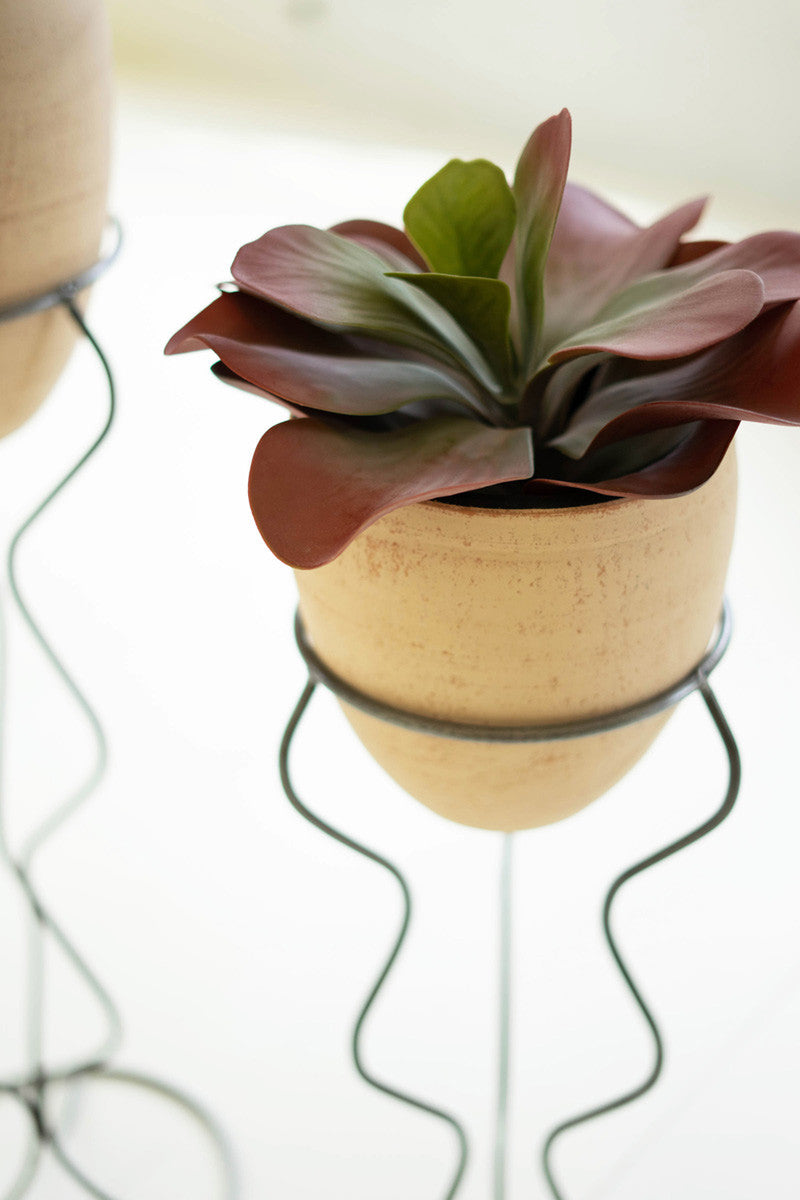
pixel 515 617
pixel 55 108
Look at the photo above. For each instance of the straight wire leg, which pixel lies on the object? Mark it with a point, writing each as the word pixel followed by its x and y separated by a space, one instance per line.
pixel 501 1128
pixel 318 823
pixel 707 827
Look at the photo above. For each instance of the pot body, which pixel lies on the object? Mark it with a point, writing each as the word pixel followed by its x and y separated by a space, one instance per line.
pixel 521 617
pixel 55 112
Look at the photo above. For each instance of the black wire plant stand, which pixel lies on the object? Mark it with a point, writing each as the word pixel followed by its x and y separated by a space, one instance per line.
pixel 34 1088
pixel 695 681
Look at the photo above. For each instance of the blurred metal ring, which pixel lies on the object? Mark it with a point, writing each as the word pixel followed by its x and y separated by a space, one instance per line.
pixel 70 287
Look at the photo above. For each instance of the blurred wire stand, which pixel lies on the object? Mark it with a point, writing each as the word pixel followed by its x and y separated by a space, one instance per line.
pixel 47 1094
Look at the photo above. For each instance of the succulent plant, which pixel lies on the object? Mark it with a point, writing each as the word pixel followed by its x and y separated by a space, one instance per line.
pixel 515 339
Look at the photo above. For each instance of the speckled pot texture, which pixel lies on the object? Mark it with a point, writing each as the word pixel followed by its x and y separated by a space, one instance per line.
pixel 523 616
pixel 55 115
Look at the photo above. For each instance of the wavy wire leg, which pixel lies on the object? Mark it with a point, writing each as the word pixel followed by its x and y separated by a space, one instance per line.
pixel 719 816
pixel 31 1091
pixel 368 1078
pixel 13 1089
pixel 23 864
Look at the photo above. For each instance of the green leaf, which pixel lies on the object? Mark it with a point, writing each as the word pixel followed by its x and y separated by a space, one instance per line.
pixel 463 218
pixel 538 186
pixel 480 306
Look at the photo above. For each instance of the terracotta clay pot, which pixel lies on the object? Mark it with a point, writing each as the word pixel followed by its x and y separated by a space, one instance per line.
pixel 521 617
pixel 55 106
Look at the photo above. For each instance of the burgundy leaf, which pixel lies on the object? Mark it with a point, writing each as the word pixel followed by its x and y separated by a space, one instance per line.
pixel 775 258
pixel 753 376
pixel 393 245
pixel 688 251
pixel 597 251
pixel 664 316
pixel 310 367
pixel 539 183
pixel 226 375
pixel 335 282
pixel 416 410
pixel 683 469
pixel 236 316
pixel 313 488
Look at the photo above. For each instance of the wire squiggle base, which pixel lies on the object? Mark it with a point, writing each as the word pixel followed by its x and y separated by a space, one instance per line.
pixel 734 781
pixel 32 1090
pixel 696 681
pixel 365 852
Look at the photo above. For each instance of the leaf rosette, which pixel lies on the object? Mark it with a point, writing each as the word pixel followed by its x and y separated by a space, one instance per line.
pixel 512 339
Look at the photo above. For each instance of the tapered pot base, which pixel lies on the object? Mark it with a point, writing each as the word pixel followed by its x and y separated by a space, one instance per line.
pixel 521 617
pixel 489 785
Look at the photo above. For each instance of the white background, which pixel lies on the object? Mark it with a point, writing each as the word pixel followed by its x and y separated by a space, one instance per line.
pixel 239 942
pixel 700 90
